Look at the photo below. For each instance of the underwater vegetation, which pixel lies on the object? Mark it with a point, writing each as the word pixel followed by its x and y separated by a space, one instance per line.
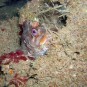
pixel 14 57
pixel 18 80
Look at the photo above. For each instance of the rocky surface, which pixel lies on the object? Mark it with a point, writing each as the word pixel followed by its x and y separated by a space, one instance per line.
pixel 65 65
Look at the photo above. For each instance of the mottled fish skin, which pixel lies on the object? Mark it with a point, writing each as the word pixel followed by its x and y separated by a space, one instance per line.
pixel 31 44
pixel 27 38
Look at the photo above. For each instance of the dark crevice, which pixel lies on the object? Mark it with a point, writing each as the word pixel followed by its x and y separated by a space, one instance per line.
pixel 1 72
pixel 63 20
pixel 54 29
pixel 74 59
pixel 53 3
pixel 77 53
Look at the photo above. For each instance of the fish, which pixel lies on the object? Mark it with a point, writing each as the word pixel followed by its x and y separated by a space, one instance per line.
pixel 33 37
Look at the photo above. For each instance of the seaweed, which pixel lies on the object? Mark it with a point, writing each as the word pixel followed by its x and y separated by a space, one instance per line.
pixel 18 80
pixel 12 57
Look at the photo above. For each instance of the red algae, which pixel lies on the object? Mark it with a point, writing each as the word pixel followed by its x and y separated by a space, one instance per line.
pixel 14 57
pixel 18 52
pixel 18 80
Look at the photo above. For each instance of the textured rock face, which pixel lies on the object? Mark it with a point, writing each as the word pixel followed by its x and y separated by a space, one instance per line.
pixel 9 30
pixel 67 55
pixel 66 62
pixel 74 41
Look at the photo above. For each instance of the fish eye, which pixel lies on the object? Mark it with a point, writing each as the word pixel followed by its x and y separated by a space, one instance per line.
pixel 34 32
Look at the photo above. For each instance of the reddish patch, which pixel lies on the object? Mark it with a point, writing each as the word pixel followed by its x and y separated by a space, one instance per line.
pixel 21 29
pixel 35 24
pixel 12 57
pixel 3 29
pixel 18 80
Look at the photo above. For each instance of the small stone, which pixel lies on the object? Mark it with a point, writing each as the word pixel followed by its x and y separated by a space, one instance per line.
pixel 74 75
pixel 71 67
